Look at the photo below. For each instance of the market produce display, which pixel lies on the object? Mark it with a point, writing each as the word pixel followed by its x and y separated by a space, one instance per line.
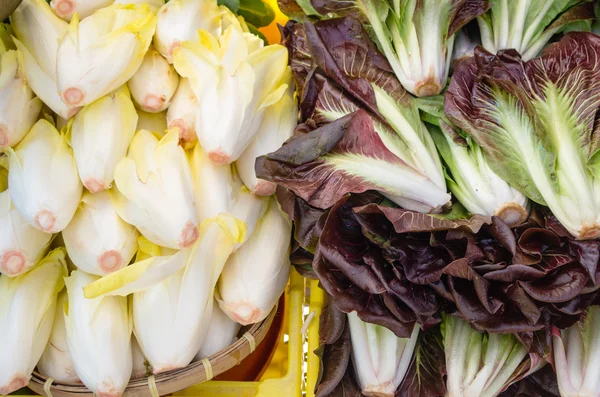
pixel 135 237
pixel 442 185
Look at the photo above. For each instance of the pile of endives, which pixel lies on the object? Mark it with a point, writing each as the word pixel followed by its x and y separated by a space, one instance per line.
pixel 129 134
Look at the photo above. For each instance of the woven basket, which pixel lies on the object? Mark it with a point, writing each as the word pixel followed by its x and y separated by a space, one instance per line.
pixel 171 381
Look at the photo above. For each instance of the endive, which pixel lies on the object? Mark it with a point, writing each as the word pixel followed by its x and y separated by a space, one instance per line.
pixel 19 107
pixel 97 239
pixel 99 337
pixel 56 362
pixel 182 114
pixel 43 180
pixel 84 8
pixel 100 135
pixel 38 31
pixel 21 245
pixel 380 358
pixel 156 190
pixel 100 53
pixel 173 295
pixel 221 333
pixel 27 307
pixel 139 361
pixel 277 126
pixel 179 21
pixel 218 189
pixel 154 84
pixel 256 274
pixel 234 82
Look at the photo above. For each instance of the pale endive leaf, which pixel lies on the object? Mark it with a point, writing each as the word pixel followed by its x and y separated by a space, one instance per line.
pixel 182 114
pixel 56 362
pixel 156 190
pixel 38 31
pixel 234 83
pixel 84 8
pixel 218 189
pixel 99 337
pixel 139 361
pixel 256 274
pixel 27 308
pixel 381 359
pixel 173 296
pixel 154 84
pixel 98 241
pixel 21 245
pixel 179 21
pixel 100 53
pixel 221 333
pixel 100 135
pixel 277 126
pixel 19 107
pixel 43 180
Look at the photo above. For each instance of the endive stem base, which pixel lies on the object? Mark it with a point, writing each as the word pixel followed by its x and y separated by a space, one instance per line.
pixel 18 382
pixel 512 214
pixel 12 264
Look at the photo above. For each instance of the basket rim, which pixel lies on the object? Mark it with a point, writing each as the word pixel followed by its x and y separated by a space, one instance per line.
pixel 174 380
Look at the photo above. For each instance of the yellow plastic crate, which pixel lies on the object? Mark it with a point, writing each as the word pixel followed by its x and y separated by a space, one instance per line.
pixel 283 377
pixel 316 302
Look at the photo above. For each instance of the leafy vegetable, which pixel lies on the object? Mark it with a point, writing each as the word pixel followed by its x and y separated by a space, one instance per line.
pixel 416 36
pixel 394 267
pixel 527 25
pixel 535 122
pixel 472 181
pixel 380 358
pixel 482 364
pixel 577 355
pixel 347 156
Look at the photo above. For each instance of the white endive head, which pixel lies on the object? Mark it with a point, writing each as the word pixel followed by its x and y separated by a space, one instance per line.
pixel 139 360
pixel 100 53
pixel 218 189
pixel 156 190
pixel 38 31
pixel 21 246
pixel 235 82
pixel 182 114
pixel 27 308
pixel 97 239
pixel 153 122
pixel 154 84
pixel 255 276
pixel 99 337
pixel 56 361
pixel 173 295
pixel 179 21
pixel 19 107
pixel 380 358
pixel 221 333
pixel 277 126
pixel 43 180
pixel 100 135
pixel 84 8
